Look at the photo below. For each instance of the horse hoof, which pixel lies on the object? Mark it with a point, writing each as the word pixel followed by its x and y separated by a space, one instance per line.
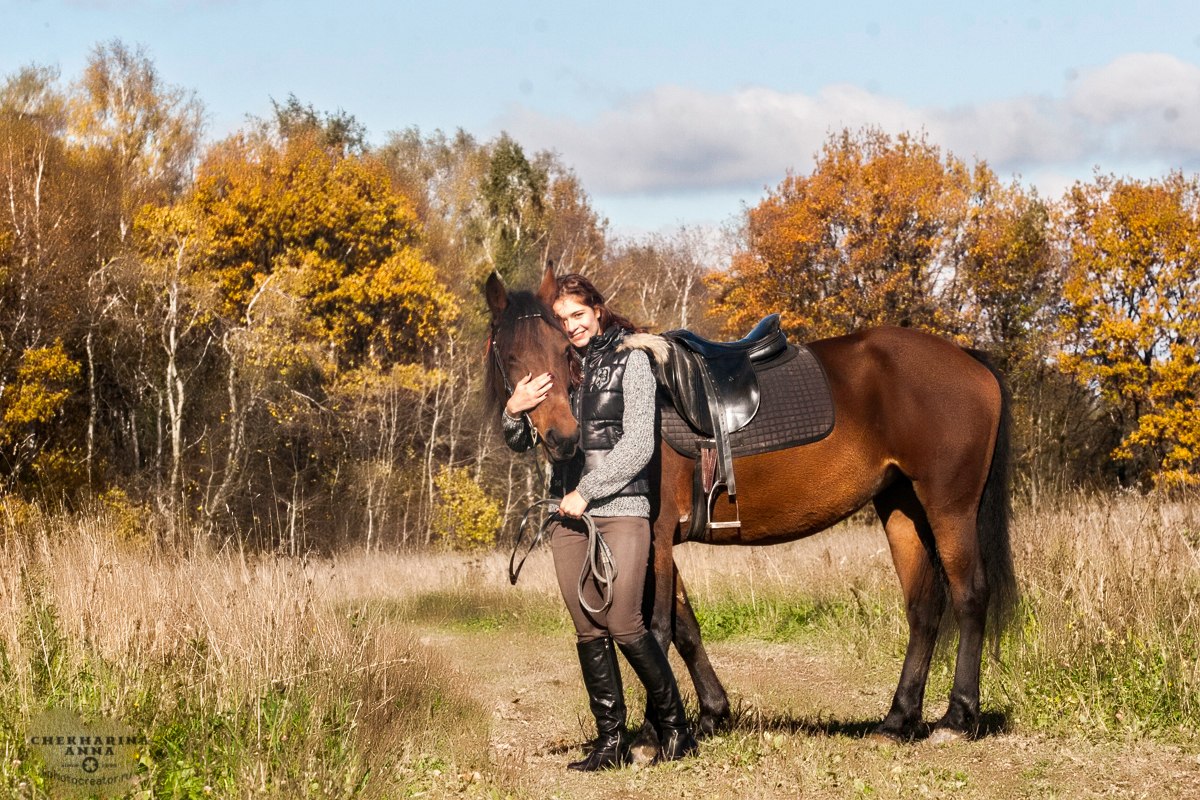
pixel 709 726
pixel 945 736
pixel 881 739
pixel 642 754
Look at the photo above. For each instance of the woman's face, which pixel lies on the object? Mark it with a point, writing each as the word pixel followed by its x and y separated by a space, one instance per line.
pixel 579 321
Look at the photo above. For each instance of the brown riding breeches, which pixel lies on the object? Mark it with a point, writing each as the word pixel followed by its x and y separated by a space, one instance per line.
pixel 629 540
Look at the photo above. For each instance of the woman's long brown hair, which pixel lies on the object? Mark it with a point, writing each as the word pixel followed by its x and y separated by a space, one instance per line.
pixel 584 291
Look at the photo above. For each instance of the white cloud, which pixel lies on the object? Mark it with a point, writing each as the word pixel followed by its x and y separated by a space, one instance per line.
pixel 1139 108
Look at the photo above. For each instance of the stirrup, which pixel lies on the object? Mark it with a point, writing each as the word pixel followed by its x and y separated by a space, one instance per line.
pixel 735 523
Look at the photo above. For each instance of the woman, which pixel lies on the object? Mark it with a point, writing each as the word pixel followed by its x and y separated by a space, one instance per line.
pixel 613 400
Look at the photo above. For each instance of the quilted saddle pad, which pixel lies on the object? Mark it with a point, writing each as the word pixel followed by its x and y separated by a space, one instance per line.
pixel 796 408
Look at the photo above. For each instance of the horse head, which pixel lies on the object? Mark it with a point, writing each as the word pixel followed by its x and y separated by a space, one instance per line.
pixel 526 338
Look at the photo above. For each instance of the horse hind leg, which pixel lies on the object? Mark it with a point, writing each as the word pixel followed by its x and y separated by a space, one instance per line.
pixel 911 541
pixel 967 580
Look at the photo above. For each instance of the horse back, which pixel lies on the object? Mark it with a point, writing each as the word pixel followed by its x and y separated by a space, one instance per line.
pixel 906 404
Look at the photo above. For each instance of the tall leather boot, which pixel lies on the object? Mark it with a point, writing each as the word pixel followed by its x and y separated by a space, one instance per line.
pixel 675 738
pixel 602 677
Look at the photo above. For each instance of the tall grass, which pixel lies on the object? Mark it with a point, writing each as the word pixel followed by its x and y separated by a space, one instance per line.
pixel 1110 631
pixel 250 675
pixel 265 676
pixel 1106 640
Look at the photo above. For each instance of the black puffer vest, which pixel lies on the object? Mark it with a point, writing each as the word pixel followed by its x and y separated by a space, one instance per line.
pixel 599 405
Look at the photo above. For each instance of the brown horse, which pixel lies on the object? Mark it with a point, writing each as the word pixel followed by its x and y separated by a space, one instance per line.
pixel 921 431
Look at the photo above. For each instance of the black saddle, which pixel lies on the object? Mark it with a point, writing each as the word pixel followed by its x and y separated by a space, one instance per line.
pixel 764 341
pixel 712 384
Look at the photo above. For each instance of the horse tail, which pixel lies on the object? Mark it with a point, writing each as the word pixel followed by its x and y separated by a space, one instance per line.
pixel 992 523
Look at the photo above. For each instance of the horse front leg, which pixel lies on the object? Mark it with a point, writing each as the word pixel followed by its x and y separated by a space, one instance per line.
pixel 658 610
pixel 710 694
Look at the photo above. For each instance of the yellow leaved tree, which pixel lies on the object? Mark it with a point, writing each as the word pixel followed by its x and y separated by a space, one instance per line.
pixel 1132 324
pixel 465 518
pixel 327 296
pixel 43 382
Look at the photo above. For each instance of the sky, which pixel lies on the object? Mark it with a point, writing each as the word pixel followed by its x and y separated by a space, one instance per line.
pixel 682 113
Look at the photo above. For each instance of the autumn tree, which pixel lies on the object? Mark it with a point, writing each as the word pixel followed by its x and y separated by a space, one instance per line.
pixel 866 238
pixel 150 128
pixel 168 301
pixel 321 284
pixel 1132 322
pixel 54 229
pixel 1008 292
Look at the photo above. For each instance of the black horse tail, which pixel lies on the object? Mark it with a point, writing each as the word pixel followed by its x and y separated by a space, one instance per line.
pixel 992 523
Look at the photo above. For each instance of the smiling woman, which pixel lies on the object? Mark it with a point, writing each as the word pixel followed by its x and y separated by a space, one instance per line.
pixel 602 470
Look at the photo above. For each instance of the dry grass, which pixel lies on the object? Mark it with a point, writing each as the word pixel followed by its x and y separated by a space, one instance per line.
pixel 1111 633
pixel 251 675
pixel 257 675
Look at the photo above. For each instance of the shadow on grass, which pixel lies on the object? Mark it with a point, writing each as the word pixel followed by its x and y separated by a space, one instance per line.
pixel 748 721
pixel 475 610
pixel 745 720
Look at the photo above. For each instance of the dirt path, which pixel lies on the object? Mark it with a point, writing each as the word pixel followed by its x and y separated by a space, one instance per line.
pixel 799 735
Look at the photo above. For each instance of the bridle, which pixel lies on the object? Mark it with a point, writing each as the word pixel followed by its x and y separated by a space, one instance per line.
pixel 600 564
pixel 508 387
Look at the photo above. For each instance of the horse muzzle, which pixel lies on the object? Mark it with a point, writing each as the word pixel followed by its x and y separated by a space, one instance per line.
pixel 560 448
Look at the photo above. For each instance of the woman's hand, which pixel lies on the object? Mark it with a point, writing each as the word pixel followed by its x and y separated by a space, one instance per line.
pixel 528 393
pixel 573 505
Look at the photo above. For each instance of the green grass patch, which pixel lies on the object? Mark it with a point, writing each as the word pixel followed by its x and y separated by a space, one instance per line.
pixel 770 619
pixel 483 610
pixel 1093 679
pixel 794 618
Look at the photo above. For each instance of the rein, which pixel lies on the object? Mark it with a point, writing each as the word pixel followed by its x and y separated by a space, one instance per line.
pixel 599 565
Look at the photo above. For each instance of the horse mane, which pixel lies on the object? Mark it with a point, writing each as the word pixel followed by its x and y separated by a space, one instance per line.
pixel 520 304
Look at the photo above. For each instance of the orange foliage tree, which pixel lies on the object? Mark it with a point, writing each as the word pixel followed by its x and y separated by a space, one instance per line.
pixel 894 231
pixel 867 238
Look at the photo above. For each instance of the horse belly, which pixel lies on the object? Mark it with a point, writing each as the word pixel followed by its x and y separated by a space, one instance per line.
pixel 793 493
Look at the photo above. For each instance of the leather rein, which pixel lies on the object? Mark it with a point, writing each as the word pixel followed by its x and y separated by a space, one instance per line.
pixel 598 565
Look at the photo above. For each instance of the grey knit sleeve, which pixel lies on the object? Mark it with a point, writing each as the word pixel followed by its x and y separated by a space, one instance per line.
pixel 636 445
pixel 516 432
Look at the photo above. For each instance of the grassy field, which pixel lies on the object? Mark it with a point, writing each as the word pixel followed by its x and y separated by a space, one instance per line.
pixel 426 675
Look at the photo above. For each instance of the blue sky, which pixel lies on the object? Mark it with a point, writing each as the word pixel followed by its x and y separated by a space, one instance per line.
pixel 681 112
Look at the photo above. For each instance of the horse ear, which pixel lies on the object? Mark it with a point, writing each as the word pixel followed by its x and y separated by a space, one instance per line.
pixel 497 295
pixel 549 288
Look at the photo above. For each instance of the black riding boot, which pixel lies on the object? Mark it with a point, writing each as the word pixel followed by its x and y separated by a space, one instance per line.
pixel 602 677
pixel 675 738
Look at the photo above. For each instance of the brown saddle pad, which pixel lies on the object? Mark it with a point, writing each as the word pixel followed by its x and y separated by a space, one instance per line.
pixel 796 408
